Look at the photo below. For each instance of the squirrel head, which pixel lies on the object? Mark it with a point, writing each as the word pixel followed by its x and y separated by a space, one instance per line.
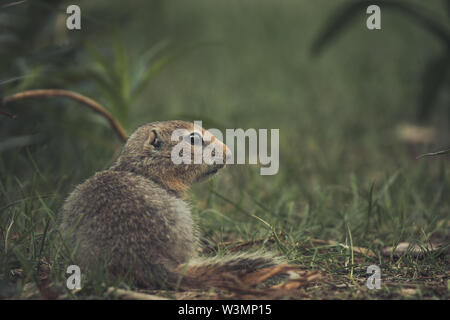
pixel 150 152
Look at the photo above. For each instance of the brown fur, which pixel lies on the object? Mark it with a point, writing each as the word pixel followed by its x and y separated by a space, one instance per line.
pixel 133 215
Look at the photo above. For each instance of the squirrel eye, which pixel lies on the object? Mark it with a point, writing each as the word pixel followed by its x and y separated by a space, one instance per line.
pixel 155 141
pixel 196 139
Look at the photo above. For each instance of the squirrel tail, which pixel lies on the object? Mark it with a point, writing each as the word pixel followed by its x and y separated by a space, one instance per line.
pixel 229 272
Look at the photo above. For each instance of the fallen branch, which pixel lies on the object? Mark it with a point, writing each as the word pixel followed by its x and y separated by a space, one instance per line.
pixel 431 154
pixel 9 115
pixel 360 250
pixel 91 104
pixel 132 295
pixel 11 4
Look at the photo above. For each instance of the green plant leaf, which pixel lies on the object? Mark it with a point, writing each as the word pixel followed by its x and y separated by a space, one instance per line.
pixel 348 12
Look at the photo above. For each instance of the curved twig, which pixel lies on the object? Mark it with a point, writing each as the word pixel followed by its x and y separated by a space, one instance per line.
pixel 93 105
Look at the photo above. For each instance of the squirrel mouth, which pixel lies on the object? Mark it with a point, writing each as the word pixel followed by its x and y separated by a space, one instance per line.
pixel 210 173
pixel 214 171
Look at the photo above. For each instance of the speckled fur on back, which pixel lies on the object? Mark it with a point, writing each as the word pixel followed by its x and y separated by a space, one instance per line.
pixel 133 214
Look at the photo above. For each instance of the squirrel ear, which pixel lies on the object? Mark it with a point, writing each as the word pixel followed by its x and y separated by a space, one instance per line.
pixel 153 139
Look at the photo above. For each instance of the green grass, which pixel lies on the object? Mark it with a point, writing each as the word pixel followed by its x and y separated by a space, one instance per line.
pixel 345 179
pixel 407 205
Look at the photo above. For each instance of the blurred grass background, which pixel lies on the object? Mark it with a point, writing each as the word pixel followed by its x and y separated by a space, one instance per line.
pixel 233 64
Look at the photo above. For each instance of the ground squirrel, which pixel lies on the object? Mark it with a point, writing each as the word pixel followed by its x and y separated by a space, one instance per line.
pixel 133 214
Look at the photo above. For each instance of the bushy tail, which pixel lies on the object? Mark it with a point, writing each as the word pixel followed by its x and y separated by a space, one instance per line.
pixel 234 272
